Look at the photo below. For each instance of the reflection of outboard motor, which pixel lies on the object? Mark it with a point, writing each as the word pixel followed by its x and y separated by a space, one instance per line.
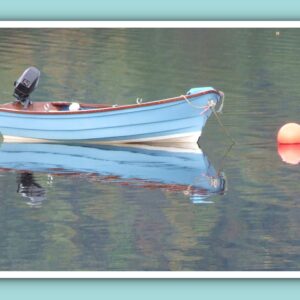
pixel 26 84
pixel 28 188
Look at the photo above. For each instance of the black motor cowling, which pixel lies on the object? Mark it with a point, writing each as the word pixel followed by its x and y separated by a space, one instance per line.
pixel 26 84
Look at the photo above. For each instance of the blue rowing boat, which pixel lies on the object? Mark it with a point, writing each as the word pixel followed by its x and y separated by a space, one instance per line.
pixel 165 168
pixel 178 119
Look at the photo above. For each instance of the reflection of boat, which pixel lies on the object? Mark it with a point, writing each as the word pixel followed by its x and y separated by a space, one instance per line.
pixel 172 169
pixel 174 120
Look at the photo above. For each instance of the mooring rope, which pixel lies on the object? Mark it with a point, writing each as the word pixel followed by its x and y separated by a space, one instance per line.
pixel 206 107
pixel 211 105
pixel 222 125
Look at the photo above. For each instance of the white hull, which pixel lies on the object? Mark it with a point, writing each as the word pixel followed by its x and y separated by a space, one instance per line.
pixel 183 138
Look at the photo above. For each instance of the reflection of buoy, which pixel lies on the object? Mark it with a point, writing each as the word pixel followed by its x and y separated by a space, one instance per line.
pixel 289 153
pixel 289 134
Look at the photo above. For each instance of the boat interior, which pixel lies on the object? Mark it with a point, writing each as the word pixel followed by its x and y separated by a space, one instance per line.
pixel 52 106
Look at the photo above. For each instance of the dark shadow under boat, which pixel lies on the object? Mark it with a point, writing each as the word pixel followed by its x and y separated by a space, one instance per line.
pixel 172 169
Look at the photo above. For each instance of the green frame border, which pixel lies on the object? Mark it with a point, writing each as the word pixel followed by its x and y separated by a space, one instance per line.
pixel 149 10
pixel 149 289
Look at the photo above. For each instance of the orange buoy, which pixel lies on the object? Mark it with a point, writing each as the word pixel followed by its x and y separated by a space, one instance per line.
pixel 289 153
pixel 289 134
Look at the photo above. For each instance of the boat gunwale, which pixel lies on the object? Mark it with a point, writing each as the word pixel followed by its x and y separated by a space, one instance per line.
pixel 110 108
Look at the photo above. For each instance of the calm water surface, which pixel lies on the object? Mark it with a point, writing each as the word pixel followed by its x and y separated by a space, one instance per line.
pixel 87 208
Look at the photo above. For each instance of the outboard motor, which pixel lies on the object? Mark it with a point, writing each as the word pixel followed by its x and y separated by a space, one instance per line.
pixel 25 85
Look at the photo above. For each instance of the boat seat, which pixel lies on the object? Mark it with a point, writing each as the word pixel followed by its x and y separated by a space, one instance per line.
pixel 64 106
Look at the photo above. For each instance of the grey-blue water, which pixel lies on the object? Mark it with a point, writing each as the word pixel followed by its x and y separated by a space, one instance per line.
pixel 74 219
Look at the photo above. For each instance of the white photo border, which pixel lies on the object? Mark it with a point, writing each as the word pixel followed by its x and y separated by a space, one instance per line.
pixel 150 274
